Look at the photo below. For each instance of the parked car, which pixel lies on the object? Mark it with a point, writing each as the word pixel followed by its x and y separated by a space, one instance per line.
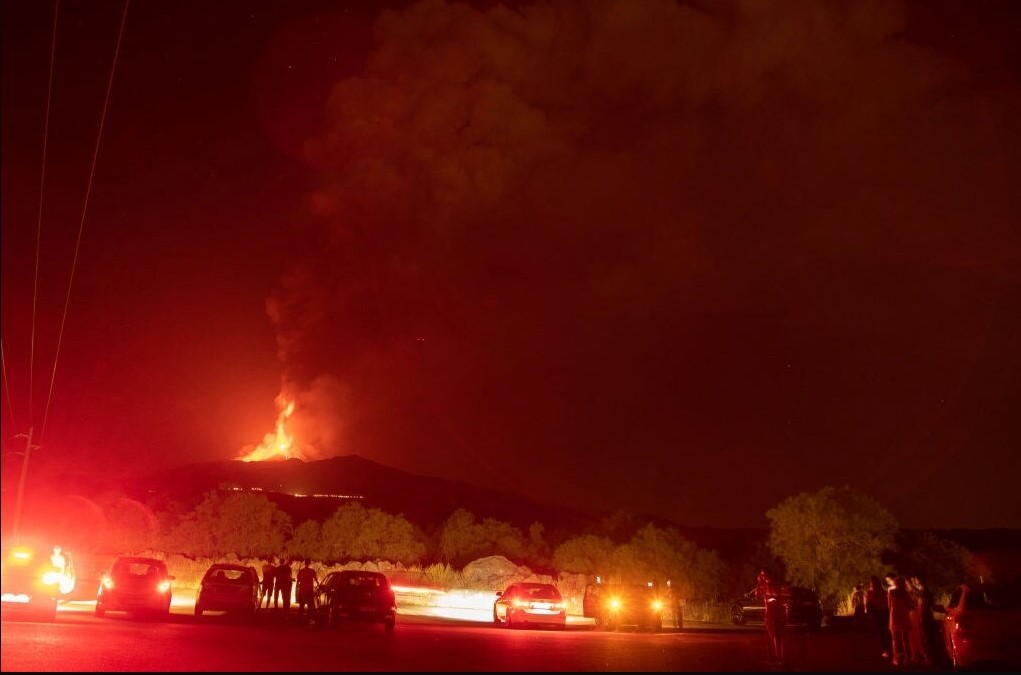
pixel 803 607
pixel 228 588
pixel 135 585
pixel 982 628
pixel 530 603
pixel 353 595
pixel 34 578
pixel 616 605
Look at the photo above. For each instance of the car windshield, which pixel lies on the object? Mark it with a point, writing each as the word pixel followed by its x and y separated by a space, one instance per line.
pixel 227 575
pixel 136 568
pixel 364 580
pixel 538 591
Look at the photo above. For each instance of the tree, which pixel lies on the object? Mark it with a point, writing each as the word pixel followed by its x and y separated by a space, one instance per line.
pixel 356 533
pixel 246 524
pixel 587 554
pixel 462 539
pixel 831 539
pixel 942 563
pixel 307 541
pixel 659 555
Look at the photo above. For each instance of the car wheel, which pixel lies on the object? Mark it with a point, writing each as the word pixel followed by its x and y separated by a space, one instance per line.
pixel 496 617
pixel 738 618
pixel 508 622
pixel 388 625
pixel 610 625
pixel 100 610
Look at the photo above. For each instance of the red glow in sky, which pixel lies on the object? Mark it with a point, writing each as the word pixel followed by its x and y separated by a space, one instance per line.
pixel 655 249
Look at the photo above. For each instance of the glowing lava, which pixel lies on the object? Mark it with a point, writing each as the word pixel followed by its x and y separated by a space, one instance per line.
pixel 278 444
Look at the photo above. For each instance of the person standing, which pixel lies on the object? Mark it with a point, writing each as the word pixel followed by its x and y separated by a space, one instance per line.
pixel 283 580
pixel 858 608
pixel 269 571
pixel 307 590
pixel 900 603
pixel 877 608
pixel 775 597
pixel 921 618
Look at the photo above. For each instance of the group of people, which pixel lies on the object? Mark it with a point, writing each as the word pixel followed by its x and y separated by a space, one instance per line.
pixel 279 584
pixel 901 614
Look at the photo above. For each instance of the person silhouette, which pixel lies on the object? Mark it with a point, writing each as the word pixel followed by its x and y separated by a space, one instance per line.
pixel 306 588
pixel 268 576
pixel 775 597
pixel 283 580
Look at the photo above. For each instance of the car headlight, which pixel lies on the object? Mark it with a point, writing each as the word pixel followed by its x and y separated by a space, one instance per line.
pixel 52 578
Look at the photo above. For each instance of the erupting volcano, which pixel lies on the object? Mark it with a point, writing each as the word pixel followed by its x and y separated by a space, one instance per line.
pixel 278 444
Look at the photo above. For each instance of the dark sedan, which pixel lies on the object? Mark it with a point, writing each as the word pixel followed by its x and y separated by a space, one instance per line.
pixel 135 585
pixel 354 595
pixel 803 607
pixel 228 588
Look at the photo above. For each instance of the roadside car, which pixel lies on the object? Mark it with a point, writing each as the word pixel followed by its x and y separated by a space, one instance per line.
pixel 982 628
pixel 530 603
pixel 228 588
pixel 355 595
pixel 617 605
pixel 135 584
pixel 804 607
pixel 34 578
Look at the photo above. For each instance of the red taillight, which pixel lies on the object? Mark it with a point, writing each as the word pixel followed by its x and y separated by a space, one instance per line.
pixel 164 586
pixel 520 603
pixel 107 582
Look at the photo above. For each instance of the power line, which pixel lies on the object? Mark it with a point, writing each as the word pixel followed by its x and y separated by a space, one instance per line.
pixel 39 228
pixel 7 388
pixel 81 225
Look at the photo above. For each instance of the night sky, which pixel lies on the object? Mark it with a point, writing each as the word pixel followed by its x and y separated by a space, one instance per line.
pixel 679 258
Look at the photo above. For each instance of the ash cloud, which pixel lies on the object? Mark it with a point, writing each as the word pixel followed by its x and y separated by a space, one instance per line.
pixel 683 233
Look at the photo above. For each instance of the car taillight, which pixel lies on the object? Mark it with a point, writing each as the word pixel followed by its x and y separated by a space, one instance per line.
pixel 614 603
pixel 51 578
pixel 560 605
pixel 164 586
pixel 520 603
pixel 107 582
pixel 657 605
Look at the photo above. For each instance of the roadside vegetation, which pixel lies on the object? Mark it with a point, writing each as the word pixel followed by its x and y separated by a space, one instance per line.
pixel 827 540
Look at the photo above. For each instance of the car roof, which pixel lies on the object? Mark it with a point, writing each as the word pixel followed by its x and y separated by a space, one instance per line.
pixel 140 561
pixel 230 566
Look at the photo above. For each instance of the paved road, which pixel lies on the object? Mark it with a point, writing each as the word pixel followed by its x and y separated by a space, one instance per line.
pixel 77 641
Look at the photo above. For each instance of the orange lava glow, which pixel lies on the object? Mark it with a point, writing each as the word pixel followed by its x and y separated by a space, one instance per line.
pixel 280 443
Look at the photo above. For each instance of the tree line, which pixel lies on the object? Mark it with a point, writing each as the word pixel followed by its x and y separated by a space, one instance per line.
pixel 827 540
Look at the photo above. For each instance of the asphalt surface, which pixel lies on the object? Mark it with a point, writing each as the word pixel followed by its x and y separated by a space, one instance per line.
pixel 77 641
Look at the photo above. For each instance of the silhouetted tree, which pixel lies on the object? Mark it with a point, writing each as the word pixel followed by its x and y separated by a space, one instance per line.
pixel 831 539
pixel 245 524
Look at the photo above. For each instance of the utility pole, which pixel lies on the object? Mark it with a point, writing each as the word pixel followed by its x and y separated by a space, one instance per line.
pixel 21 484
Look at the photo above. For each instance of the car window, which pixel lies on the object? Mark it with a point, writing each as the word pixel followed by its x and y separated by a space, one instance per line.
pixel 364 580
pixel 228 575
pixel 992 598
pixel 136 568
pixel 539 591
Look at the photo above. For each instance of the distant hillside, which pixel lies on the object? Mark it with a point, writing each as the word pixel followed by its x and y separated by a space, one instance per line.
pixel 424 500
